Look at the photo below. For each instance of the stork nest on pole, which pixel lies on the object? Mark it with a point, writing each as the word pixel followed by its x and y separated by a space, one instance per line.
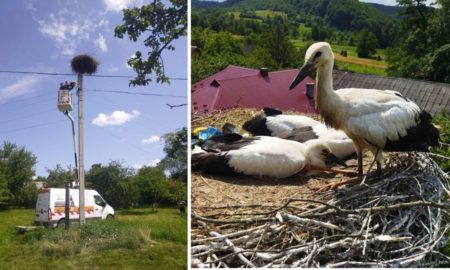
pixel 84 64
pixel 397 219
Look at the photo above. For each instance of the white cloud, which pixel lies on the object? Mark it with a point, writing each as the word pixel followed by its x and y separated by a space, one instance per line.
pixel 152 163
pixel 151 139
pixel 21 87
pixel 118 5
pixel 116 118
pixel 100 42
pixel 68 28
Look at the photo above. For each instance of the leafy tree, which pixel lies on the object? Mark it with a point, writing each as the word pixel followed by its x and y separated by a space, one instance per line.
pixel 422 51
pixel 175 161
pixel 277 43
pixel 58 177
pixel 152 185
pixel 113 183
pixel 5 194
pixel 18 169
pixel 27 195
pixel 163 24
pixel 367 44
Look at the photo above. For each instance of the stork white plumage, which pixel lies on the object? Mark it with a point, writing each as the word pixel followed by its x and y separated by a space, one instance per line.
pixel 378 120
pixel 272 122
pixel 264 156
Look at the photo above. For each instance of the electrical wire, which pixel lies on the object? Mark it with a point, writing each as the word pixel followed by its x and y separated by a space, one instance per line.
pixel 34 126
pixel 71 74
pixel 134 93
pixel 26 116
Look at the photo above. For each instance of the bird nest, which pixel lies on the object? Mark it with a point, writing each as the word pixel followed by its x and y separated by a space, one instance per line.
pixel 397 219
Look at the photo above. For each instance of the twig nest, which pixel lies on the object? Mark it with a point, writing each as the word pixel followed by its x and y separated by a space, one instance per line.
pixel 84 64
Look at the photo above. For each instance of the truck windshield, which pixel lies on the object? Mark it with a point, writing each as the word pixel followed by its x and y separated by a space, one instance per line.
pixel 99 200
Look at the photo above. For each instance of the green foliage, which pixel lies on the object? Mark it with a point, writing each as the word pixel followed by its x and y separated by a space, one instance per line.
pixel 423 50
pixel 58 176
pixel 5 194
pixel 152 185
pixel 443 121
pixel 367 44
pixel 175 161
pixel 16 166
pixel 112 182
pixel 162 24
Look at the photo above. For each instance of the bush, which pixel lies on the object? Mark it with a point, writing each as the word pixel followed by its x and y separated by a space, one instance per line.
pixel 443 121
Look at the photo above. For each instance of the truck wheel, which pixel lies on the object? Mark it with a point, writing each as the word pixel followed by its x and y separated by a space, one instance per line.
pixel 110 217
pixel 61 223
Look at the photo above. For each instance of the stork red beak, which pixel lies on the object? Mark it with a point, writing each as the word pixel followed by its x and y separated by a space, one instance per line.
pixel 332 159
pixel 303 72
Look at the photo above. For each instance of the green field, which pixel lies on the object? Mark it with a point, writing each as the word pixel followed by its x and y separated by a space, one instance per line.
pixel 352 62
pixel 262 14
pixel 137 239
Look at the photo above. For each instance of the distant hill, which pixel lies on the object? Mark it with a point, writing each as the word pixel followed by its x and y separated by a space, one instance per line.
pixel 389 10
pixel 198 4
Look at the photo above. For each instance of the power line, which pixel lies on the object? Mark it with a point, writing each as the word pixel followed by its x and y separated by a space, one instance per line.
pixel 34 126
pixel 71 74
pixel 26 116
pixel 24 105
pixel 134 93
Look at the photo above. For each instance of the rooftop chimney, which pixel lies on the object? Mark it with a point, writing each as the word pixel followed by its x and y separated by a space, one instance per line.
pixel 264 72
pixel 310 90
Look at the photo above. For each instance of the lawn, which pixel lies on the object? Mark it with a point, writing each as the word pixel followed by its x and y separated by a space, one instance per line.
pixel 352 62
pixel 261 14
pixel 137 239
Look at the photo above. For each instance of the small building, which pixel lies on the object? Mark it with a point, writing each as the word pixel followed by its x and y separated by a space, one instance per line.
pixel 239 87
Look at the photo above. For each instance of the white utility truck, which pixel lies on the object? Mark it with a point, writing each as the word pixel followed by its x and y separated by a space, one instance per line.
pixel 50 206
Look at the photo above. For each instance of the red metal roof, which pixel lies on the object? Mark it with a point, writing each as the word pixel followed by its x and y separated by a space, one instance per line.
pixel 246 88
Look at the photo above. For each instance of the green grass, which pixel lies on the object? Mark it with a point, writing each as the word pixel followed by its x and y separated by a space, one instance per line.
pixel 352 62
pixel 137 239
pixel 261 14
pixel 360 68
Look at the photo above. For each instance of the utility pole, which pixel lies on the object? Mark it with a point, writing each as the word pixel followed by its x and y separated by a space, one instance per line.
pixel 82 64
pixel 81 148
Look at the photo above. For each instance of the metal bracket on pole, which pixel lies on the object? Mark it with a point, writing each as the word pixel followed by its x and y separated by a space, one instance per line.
pixel 67 113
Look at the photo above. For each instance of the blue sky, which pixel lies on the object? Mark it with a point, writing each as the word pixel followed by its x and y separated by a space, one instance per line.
pixel 44 36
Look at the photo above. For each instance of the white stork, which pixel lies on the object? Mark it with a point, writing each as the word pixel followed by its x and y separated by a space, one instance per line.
pixel 264 156
pixel 379 120
pixel 272 122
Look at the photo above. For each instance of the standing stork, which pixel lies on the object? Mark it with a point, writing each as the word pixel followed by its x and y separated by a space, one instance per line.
pixel 378 120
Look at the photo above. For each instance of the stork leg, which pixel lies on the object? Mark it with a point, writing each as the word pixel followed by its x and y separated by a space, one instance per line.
pixel 371 165
pixel 360 161
pixel 379 158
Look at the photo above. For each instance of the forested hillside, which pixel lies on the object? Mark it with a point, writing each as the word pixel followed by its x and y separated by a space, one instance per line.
pixel 410 40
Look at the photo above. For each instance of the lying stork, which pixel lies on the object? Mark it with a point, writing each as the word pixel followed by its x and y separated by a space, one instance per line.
pixel 379 120
pixel 265 156
pixel 299 128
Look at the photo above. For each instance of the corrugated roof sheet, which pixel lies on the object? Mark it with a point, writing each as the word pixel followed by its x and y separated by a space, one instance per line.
pixel 432 96
pixel 247 88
